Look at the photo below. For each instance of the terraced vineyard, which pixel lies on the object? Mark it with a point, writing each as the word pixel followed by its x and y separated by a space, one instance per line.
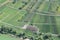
pixel 44 14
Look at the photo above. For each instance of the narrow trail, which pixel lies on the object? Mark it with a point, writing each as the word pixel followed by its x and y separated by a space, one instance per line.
pixel 6 2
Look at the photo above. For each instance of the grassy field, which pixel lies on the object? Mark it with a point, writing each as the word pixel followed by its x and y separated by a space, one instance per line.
pixel 12 16
pixel 7 37
pixel 1 1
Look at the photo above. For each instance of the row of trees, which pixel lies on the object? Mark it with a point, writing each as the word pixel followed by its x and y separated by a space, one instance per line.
pixel 7 30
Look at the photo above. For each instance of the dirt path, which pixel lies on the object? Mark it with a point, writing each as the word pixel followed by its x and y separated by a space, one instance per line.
pixel 6 2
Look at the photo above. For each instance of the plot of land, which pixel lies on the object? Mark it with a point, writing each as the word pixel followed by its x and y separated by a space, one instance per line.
pixel 45 15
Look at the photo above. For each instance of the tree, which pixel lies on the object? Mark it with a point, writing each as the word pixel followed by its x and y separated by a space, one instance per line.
pixel 19 9
pixel 10 30
pixel 13 32
pixel 31 38
pixel 0 30
pixel 24 37
pixel 45 37
pixel 58 36
pixel 19 35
